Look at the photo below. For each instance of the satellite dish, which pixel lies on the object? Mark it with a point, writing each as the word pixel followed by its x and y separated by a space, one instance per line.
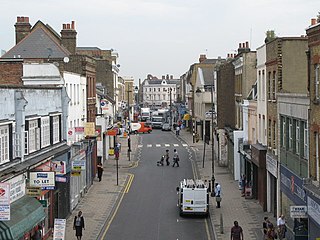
pixel 66 59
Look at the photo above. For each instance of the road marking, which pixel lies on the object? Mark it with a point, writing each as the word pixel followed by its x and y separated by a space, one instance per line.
pixel 149 145
pixel 185 145
pixel 167 145
pixel 176 145
pixel 126 190
pixel 140 146
pixel 158 145
pixel 131 176
pixel 207 230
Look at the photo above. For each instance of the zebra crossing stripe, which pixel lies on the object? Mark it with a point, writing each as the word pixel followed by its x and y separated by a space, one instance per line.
pixel 167 145
pixel 176 145
pixel 149 145
pixel 140 146
pixel 185 145
pixel 158 145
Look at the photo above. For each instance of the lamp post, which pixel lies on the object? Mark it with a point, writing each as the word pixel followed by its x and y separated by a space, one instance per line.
pixel 170 90
pixel 129 124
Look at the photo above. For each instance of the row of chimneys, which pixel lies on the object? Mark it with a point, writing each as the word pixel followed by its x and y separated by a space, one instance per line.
pixel 244 45
pixel 68 33
pixel 167 77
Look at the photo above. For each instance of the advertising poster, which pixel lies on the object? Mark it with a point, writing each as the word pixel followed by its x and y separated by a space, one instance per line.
pixel 59 167
pixel 4 193
pixel 59 229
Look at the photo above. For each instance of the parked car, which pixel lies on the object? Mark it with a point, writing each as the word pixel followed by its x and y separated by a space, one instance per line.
pixel 166 127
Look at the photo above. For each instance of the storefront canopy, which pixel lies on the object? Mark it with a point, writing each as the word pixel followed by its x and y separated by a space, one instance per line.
pixel 25 214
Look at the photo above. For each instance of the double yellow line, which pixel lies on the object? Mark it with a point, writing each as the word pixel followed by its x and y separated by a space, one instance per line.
pixel 125 190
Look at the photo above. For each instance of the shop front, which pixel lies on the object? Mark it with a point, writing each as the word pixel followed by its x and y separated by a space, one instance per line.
pixel 293 195
pixel 26 217
pixel 272 173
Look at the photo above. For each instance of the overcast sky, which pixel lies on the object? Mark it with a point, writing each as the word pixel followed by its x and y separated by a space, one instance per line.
pixel 163 36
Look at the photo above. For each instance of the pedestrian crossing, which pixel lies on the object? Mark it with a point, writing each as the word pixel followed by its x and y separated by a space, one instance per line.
pixel 163 145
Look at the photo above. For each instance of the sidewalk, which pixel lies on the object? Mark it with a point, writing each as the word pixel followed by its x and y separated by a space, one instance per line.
pixel 247 212
pixel 99 201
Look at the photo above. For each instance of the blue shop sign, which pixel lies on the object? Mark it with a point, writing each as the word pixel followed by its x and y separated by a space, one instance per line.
pixel 291 185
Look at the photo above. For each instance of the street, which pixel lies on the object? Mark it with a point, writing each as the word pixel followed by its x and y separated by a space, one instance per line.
pixel 149 209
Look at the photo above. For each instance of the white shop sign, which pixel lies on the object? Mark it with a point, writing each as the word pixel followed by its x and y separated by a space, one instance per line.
pixel 59 229
pixel 4 193
pixel 272 165
pixel 298 212
pixel 4 212
pixel 44 180
pixel 17 188
pixel 313 209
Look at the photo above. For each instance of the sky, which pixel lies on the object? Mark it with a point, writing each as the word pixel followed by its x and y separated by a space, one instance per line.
pixel 161 37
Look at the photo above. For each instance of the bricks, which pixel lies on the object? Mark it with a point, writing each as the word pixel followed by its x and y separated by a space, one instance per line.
pixel 11 73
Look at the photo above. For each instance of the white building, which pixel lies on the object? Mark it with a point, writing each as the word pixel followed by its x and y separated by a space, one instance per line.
pixel 156 92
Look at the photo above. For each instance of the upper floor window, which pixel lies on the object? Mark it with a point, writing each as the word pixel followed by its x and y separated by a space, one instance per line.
pixel 158 89
pixel 45 132
pixel 55 129
pixel 269 85
pixel 33 135
pixel 4 144
pixel 290 130
pixel 317 81
pixel 305 140
pixel 297 147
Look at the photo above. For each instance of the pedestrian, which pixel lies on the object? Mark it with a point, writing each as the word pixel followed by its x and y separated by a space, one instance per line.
pixel 175 158
pixel 271 233
pixel 100 170
pixel 177 130
pixel 78 225
pixel 116 152
pixel 217 193
pixel 281 224
pixel 167 157
pixel 236 232
pixel 265 227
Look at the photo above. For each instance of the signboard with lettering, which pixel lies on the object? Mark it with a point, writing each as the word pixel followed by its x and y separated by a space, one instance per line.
pixel 34 192
pixel 89 129
pixel 313 209
pixel 59 167
pixel 17 187
pixel 298 212
pixel 79 130
pixel 59 229
pixel 272 165
pixel 44 180
pixel 4 193
pixel 4 212
pixel 78 165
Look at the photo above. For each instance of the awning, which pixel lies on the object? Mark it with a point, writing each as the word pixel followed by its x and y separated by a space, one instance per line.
pixel 25 214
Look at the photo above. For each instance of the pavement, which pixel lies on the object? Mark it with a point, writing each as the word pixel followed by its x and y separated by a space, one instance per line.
pixel 99 203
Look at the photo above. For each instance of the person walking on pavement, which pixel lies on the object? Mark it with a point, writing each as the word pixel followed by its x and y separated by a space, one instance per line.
pixel 177 130
pixel 175 158
pixel 271 233
pixel 78 225
pixel 236 232
pixel 100 171
pixel 265 227
pixel 217 192
pixel 281 224
pixel 167 157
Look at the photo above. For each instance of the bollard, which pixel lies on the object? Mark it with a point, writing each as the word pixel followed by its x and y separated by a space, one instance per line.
pixel 221 223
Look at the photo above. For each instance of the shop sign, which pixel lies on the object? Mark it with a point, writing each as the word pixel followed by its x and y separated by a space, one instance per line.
pixel 61 179
pixel 44 202
pixel 59 229
pixel 34 192
pixel 4 212
pixel 59 167
pixel 272 165
pixel 44 180
pixel 89 129
pixel 79 130
pixel 112 132
pixel 78 165
pixel 313 209
pixel 17 188
pixel 4 193
pixel 298 212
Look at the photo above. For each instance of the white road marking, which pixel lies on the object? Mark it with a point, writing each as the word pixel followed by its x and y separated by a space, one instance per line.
pixel 140 146
pixel 176 145
pixel 185 145
pixel 149 145
pixel 167 145
pixel 158 145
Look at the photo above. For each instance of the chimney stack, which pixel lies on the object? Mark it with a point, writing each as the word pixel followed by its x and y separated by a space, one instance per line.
pixel 69 37
pixel 247 44
pixel 202 58
pixel 313 21
pixel 23 28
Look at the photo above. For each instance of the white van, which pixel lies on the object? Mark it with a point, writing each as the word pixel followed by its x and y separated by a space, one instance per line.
pixel 193 197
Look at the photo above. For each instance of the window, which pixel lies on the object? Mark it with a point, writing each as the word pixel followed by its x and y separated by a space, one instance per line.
pixel 164 97
pixel 158 89
pixel 4 144
pixel 34 136
pixel 269 85
pixel 263 86
pixel 317 81
pixel 269 132
pixel 274 136
pixel 45 132
pixel 56 129
pixel 274 85
pixel 70 94
pixel 283 132
pixel 297 147
pixel 305 141
pixel 290 126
